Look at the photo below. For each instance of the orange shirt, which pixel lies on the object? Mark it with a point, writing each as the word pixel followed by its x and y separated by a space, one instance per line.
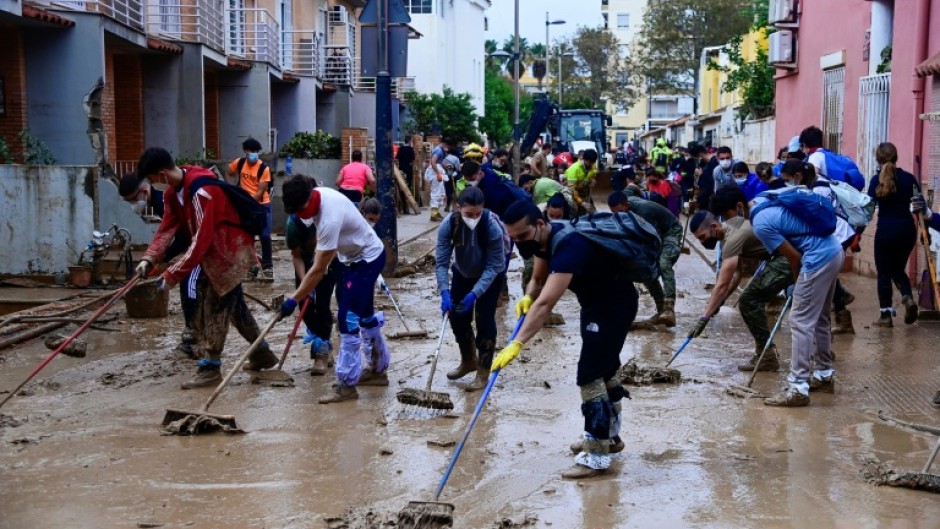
pixel 249 178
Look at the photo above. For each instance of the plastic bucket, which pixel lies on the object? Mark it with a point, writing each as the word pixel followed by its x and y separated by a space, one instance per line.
pixel 146 301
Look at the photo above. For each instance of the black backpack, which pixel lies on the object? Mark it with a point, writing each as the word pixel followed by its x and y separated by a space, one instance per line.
pixel 253 216
pixel 238 174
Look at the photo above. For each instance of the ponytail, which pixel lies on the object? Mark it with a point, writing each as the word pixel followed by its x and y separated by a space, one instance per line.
pixel 887 155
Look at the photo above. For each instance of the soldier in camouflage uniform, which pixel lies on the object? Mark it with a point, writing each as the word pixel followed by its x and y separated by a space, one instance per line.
pixel 739 244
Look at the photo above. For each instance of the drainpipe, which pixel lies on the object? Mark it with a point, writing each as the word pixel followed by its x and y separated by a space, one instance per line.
pixel 921 48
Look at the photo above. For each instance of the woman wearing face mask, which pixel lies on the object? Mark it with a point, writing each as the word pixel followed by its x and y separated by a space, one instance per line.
pixel 371 209
pixel 747 181
pixel 892 189
pixel 471 246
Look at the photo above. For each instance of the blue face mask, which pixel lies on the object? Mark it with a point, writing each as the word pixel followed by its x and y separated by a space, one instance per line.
pixel 253 157
pixel 741 181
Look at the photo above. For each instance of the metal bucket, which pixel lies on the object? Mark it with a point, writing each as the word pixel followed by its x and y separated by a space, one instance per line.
pixel 147 301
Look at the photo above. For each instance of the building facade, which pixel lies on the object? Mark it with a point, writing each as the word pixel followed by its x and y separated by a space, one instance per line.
pixel 624 18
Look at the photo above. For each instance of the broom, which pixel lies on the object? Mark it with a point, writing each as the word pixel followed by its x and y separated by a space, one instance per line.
pixel 426 398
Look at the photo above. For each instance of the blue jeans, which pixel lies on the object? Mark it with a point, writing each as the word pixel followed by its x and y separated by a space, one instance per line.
pixel 265 237
pixel 356 293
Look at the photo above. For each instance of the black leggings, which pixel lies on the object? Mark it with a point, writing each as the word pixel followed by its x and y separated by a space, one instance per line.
pixel 893 244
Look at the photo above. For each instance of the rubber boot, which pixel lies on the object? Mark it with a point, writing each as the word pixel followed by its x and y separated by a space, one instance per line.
pixel 320 353
pixel 667 316
pixel 187 343
pixel 261 358
pixel 468 360
pixel 205 376
pixel 910 309
pixel 375 348
pixel 843 323
pixel 339 394
pixel 436 215
pixel 660 307
pixel 483 367
pixel 885 320
pixel 768 363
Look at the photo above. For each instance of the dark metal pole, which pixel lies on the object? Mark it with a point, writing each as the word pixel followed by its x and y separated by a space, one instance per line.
pixel 387 227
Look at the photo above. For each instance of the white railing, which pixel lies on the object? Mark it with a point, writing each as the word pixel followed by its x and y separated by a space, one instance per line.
pixel 338 66
pixel 253 35
pixel 873 94
pixel 127 12
pixel 188 20
pixel 122 167
pixel 400 85
pixel 300 52
pixel 340 57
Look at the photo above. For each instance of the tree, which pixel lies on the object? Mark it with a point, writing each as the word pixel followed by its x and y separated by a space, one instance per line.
pixel 539 68
pixel 448 114
pixel 509 46
pixel 600 67
pixel 574 89
pixel 665 55
pixel 754 78
pixel 498 110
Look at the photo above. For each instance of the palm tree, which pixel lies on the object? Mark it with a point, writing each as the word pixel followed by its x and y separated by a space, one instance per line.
pixel 509 46
pixel 489 47
pixel 539 66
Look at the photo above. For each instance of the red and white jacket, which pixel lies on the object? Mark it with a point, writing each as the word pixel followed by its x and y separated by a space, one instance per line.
pixel 220 245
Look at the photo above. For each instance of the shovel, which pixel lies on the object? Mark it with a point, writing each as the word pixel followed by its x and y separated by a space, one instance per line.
pixel 426 398
pixel 191 422
pixel 278 377
pixel 437 514
pixel 408 332
pixel 745 392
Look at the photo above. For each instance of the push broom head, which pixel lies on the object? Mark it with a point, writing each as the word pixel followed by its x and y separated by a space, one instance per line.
pixel 434 400
pixel 191 422
pixel 426 515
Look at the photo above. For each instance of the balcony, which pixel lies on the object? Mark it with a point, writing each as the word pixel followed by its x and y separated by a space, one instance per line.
pixel 196 21
pixel 127 12
pixel 253 35
pixel 300 52
pixel 338 66
pixel 400 85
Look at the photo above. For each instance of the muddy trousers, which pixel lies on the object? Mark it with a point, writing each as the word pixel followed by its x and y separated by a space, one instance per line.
pixel 775 277
pixel 359 325
pixel 809 324
pixel 319 318
pixel 894 242
pixel 243 320
pixel 667 262
pixel 485 312
pixel 214 313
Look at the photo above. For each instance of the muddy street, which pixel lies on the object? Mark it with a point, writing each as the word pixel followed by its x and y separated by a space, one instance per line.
pixel 82 447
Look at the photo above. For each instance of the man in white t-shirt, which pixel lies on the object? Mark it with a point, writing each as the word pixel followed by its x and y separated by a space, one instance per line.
pixel 342 232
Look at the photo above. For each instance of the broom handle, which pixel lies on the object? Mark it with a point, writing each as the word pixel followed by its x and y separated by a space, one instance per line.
pixel 293 333
pixel 681 347
pixel 118 295
pixel 473 420
pixel 770 339
pixel 437 353
pixel 239 363
pixel 394 303
pixel 933 455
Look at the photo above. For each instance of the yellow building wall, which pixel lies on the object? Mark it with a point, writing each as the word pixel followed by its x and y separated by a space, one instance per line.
pixel 710 94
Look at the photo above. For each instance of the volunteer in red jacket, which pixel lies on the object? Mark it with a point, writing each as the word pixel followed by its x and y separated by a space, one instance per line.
pixel 223 249
pixel 342 232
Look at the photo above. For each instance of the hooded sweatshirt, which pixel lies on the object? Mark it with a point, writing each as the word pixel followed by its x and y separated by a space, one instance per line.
pixel 471 255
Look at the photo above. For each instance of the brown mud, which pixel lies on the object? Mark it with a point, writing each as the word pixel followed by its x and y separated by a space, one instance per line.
pixel 82 447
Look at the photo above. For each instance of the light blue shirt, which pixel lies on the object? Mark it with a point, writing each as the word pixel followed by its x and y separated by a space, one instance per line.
pixel 775 225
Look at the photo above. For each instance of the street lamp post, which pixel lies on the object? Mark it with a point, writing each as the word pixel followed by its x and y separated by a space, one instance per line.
pixel 560 89
pixel 549 22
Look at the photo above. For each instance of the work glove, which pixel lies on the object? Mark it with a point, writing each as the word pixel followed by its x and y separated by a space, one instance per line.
pixel 447 304
pixel 143 268
pixel 287 308
pixel 466 305
pixel 161 284
pixel 523 306
pixel 699 327
pixel 508 354
pixel 789 290
pixel 919 205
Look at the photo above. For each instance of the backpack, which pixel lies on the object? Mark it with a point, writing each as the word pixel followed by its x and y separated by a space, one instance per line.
pixel 252 215
pixel 842 168
pixel 238 174
pixel 855 207
pixel 815 210
pixel 484 221
pixel 626 236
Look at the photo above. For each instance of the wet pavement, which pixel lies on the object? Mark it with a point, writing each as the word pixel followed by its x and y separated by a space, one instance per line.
pixel 88 452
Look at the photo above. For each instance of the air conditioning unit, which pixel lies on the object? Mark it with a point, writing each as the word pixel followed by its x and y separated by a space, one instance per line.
pixel 782 12
pixel 782 48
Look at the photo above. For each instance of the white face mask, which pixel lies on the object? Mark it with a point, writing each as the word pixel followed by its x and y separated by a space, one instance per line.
pixel 471 223
pixel 473 183
pixel 307 222
pixel 741 181
pixel 161 186
pixel 789 183
pixel 725 164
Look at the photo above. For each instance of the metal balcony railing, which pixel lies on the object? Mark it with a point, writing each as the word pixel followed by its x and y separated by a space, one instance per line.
pixel 199 21
pixel 338 66
pixel 253 34
pixel 127 12
pixel 400 85
pixel 300 52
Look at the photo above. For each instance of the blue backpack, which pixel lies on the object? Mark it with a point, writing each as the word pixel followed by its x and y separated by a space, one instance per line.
pixel 815 210
pixel 842 168
pixel 633 241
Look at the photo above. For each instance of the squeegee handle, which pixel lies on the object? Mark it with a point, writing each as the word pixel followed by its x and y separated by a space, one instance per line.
pixel 476 414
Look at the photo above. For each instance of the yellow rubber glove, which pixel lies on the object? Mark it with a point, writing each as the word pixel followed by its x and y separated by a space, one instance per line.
pixel 523 306
pixel 508 354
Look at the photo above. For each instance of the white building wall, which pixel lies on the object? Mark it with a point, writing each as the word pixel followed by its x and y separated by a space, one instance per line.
pixel 450 51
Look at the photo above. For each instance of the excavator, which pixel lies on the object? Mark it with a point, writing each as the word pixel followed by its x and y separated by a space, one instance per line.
pixel 570 130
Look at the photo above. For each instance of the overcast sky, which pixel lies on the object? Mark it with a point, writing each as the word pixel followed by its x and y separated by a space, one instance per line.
pixel 532 18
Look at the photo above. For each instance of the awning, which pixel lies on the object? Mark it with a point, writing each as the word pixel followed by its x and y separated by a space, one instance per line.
pixel 929 67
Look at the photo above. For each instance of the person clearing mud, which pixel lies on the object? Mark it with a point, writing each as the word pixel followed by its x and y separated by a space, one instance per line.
pixel 199 206
pixel 342 232
pixel 919 207
pixel 740 246
pixel 474 237
pixel 566 259
pixel 301 240
pixel 670 232
pixel 799 225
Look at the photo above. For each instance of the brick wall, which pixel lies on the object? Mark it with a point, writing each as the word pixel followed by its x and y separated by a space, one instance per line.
pixel 211 88
pixel 107 103
pixel 128 108
pixel 13 73
pixel 354 139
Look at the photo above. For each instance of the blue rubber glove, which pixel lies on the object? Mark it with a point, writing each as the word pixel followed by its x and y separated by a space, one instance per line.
pixel 466 305
pixel 287 308
pixel 789 290
pixel 161 284
pixel 447 305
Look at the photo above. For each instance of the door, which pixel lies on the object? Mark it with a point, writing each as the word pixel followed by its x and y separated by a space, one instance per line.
pixel 287 36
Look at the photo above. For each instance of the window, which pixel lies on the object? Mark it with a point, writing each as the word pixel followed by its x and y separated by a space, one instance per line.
pixel 833 105
pixel 418 7
pixel 623 20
